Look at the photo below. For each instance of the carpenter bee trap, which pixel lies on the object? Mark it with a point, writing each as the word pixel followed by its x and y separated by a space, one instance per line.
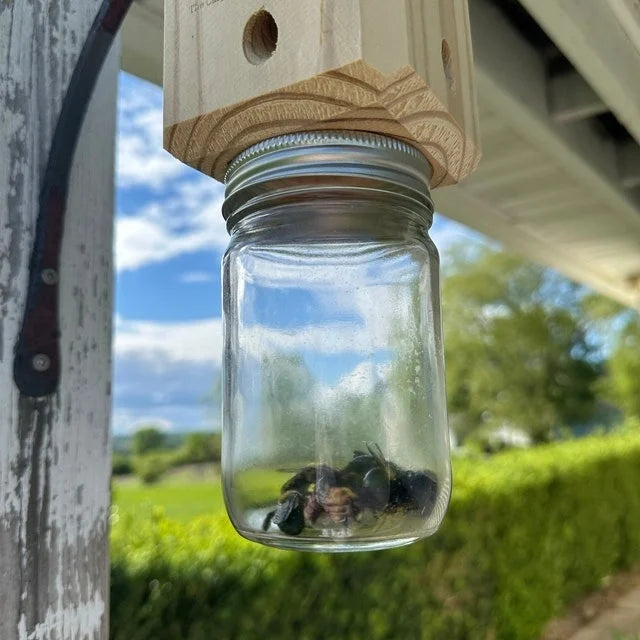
pixel 330 122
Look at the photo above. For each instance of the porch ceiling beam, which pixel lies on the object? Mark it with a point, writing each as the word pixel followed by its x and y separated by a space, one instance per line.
pixel 571 98
pixel 602 40
pixel 512 80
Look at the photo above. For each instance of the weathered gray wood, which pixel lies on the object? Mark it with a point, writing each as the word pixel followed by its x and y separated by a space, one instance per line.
pixel 54 453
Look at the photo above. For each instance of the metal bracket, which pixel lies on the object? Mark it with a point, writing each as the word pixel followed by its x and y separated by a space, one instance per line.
pixel 36 365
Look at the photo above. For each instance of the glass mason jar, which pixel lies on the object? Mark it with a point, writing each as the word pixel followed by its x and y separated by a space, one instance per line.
pixel 335 433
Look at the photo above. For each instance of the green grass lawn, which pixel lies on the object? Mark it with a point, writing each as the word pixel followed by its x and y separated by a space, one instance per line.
pixel 190 491
pixel 182 495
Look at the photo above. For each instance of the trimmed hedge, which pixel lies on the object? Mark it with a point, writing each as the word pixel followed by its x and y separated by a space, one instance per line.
pixel 527 533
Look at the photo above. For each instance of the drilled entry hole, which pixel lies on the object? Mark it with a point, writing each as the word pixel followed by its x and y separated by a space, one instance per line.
pixel 447 63
pixel 260 37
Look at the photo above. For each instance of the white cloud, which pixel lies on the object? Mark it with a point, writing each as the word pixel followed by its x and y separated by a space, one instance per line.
pixel 141 159
pixel 360 381
pixel 130 422
pixel 334 338
pixel 143 162
pixel 195 277
pixel 189 220
pixel 182 208
pixel 165 373
pixel 161 344
pixel 187 417
pixel 363 378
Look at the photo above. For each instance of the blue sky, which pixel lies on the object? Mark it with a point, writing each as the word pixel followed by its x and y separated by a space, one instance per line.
pixel 170 237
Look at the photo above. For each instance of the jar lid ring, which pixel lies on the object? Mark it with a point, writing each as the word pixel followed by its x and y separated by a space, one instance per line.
pixel 326 159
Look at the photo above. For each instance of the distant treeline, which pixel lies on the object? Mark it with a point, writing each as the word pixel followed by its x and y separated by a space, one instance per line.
pixel 150 452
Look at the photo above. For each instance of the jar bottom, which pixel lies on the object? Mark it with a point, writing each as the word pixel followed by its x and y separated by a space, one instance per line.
pixel 329 545
pixel 320 514
pixel 338 540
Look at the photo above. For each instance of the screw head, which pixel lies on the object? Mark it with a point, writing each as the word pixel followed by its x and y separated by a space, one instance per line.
pixel 49 276
pixel 41 362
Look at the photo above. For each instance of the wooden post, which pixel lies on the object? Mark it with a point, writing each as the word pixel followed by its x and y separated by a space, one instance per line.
pixel 55 452
pixel 236 73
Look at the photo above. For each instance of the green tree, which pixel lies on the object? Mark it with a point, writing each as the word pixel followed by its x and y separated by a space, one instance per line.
pixel 200 447
pixel 150 467
pixel 623 379
pixel 619 328
pixel 516 346
pixel 147 439
pixel 121 464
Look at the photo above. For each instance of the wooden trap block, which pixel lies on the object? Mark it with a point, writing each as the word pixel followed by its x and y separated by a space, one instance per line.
pixel 240 71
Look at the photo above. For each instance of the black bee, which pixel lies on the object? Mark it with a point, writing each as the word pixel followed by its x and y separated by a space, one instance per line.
pixel 331 495
pixel 387 487
pixel 288 515
pixel 414 491
pixel 368 481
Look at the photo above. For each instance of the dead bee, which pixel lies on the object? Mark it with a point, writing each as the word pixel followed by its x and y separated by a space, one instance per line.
pixel 338 504
pixel 320 493
pixel 371 473
pixel 288 515
pixel 299 503
pixel 413 491
pixel 387 487
pixel 322 475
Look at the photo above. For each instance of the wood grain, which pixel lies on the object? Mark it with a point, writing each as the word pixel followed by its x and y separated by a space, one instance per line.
pixel 54 452
pixel 339 64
